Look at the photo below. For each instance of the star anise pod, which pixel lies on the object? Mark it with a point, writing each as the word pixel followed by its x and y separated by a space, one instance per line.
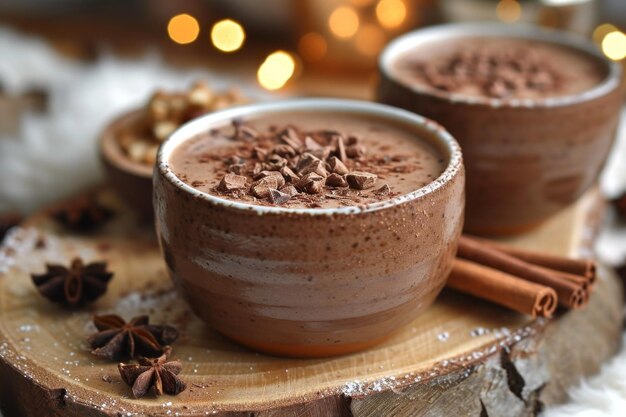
pixel 75 285
pixel 83 214
pixel 118 340
pixel 158 375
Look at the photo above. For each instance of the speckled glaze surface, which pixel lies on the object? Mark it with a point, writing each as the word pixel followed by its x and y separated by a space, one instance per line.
pixel 132 181
pixel 310 282
pixel 525 159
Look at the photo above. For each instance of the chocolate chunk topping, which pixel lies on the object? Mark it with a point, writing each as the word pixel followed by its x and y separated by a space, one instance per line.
pixel 336 180
pixel 289 175
pixel 259 153
pixel 290 166
pixel 305 160
pixel 341 149
pixel 262 187
pixel 290 190
pixel 337 166
pixel 238 169
pixel 310 144
pixel 232 182
pixel 290 137
pixel 285 151
pixel 361 180
pixel 384 190
pixel 496 72
pixel 355 151
pixel 317 166
pixel 280 181
pixel 278 197
pixel 311 183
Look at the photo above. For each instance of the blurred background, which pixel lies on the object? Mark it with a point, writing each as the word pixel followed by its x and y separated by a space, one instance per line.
pixel 67 67
pixel 287 45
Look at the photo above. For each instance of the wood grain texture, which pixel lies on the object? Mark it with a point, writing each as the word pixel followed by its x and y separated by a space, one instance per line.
pixel 461 357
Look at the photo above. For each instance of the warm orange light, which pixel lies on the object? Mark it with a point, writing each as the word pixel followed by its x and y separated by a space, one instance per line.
pixel 391 13
pixel 369 40
pixel 361 3
pixel 276 70
pixel 227 35
pixel 508 10
pixel 312 46
pixel 343 22
pixel 614 45
pixel 183 29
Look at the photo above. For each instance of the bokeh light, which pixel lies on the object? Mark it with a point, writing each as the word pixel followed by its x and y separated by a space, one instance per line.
pixel 183 29
pixel 361 3
pixel 370 39
pixel 601 31
pixel 508 10
pixel 227 35
pixel 312 46
pixel 343 22
pixel 391 13
pixel 614 45
pixel 276 70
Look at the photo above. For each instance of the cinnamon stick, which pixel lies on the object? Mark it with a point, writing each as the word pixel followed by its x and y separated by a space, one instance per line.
pixel 501 288
pixel 570 293
pixel 582 267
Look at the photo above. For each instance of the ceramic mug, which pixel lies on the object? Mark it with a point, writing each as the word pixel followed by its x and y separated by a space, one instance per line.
pixel 526 159
pixel 310 281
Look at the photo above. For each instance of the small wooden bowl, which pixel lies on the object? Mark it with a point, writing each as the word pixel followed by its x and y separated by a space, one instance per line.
pixel 131 180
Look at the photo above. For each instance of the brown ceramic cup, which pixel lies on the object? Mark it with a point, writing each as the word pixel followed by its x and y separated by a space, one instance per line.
pixel 310 282
pixel 525 159
pixel 131 180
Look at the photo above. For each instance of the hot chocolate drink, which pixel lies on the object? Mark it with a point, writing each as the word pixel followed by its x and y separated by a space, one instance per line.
pixel 308 161
pixel 309 227
pixel 499 68
pixel 535 112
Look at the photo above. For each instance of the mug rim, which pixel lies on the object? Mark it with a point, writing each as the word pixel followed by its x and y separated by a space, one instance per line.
pixel 448 31
pixel 204 123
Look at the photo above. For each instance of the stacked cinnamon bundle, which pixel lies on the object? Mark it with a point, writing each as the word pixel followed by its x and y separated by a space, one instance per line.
pixel 529 282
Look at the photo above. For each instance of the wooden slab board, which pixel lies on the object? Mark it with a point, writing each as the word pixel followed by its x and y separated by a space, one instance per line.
pixel 461 357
